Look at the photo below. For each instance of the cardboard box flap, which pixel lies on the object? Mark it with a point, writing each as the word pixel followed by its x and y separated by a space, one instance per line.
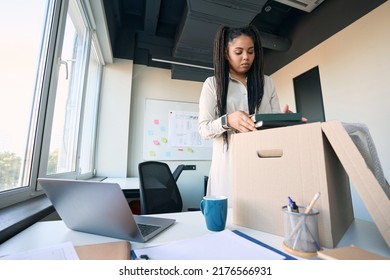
pixel 367 186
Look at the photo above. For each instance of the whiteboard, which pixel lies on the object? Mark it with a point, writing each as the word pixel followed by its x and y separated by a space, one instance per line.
pixel 171 132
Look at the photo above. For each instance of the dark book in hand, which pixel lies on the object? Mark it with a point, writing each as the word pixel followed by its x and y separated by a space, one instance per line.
pixel 264 121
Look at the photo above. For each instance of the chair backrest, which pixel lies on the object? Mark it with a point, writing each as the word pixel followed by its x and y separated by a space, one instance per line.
pixel 159 192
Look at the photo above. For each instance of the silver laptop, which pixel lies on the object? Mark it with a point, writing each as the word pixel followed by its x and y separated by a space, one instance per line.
pixel 100 208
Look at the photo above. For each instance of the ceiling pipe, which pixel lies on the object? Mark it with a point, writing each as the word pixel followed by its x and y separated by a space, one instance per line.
pixel 170 61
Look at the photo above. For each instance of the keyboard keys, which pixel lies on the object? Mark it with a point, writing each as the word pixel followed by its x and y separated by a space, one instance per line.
pixel 147 229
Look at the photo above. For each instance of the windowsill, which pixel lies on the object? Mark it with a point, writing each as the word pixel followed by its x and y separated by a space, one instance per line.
pixel 20 216
pixel 16 218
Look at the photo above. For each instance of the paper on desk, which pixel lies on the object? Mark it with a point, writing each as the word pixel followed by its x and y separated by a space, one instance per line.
pixel 224 245
pixel 64 251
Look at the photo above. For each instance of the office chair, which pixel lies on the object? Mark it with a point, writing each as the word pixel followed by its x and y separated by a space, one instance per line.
pixel 159 192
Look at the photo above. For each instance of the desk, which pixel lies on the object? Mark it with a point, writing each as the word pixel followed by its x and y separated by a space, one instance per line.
pixel 188 225
pixel 129 185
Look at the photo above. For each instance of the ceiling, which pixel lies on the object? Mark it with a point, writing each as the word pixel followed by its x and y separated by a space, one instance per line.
pixel 182 31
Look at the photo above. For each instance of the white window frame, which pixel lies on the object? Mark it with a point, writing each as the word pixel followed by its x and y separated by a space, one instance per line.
pixel 46 102
pixel 78 20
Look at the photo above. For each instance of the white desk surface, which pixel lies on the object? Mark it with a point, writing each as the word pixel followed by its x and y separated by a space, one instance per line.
pixel 188 225
pixel 129 183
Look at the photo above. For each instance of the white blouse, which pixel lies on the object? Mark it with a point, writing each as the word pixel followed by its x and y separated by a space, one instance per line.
pixel 210 126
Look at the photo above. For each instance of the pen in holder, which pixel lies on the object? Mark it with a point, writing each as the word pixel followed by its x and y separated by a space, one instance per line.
pixel 301 232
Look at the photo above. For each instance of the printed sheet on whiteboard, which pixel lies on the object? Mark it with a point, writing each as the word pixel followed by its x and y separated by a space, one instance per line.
pixel 183 130
pixel 171 132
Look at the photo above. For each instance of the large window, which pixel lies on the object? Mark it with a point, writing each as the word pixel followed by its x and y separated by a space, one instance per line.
pixel 25 32
pixel 49 86
pixel 68 96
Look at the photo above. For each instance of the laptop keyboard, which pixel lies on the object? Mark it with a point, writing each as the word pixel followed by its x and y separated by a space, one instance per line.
pixel 147 229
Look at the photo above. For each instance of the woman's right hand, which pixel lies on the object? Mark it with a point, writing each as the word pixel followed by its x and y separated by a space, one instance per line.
pixel 241 121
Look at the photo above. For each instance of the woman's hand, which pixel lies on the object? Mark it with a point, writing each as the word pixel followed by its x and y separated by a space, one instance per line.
pixel 286 110
pixel 240 121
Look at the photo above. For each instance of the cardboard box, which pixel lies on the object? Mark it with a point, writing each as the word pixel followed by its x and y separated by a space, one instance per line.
pixel 299 161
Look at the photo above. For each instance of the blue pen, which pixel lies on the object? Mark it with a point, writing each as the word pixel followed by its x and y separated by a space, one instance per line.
pixel 290 201
pixel 292 205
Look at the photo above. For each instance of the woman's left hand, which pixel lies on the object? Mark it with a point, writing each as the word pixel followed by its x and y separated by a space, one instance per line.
pixel 286 110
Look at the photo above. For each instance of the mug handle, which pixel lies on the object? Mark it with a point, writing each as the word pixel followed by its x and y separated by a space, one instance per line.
pixel 202 206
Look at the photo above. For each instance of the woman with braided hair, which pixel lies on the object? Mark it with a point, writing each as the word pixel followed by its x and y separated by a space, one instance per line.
pixel 237 90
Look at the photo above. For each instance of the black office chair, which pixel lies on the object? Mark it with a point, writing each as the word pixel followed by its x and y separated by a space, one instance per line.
pixel 159 192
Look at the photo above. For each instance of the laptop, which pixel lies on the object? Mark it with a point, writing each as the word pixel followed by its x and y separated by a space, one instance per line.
pixel 100 208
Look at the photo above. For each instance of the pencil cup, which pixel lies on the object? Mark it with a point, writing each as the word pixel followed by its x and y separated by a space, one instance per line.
pixel 301 232
pixel 214 210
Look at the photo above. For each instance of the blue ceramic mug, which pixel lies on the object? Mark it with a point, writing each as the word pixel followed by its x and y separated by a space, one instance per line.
pixel 214 209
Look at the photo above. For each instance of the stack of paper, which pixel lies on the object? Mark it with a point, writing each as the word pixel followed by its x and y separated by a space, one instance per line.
pixel 63 251
pixel 224 245
pixel 119 250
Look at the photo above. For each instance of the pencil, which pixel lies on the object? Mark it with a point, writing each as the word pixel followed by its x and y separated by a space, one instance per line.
pixel 313 201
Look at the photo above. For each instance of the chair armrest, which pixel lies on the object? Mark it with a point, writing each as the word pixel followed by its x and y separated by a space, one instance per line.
pixel 178 171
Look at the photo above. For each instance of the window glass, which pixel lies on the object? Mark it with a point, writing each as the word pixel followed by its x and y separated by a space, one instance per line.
pixel 49 94
pixel 66 119
pixel 24 29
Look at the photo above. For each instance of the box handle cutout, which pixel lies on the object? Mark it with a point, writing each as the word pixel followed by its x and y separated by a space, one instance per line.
pixel 270 153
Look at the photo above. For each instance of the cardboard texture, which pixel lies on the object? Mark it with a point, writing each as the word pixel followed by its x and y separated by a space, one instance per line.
pixel 299 161
pixel 119 250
